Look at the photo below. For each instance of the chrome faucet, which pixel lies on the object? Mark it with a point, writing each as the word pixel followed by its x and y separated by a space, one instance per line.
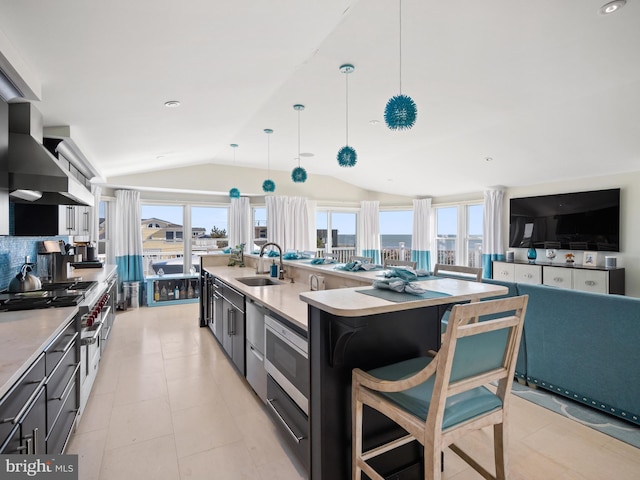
pixel 281 271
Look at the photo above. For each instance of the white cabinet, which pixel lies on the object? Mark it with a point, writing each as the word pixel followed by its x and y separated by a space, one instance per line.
pixel 558 277
pixel 74 220
pixel 591 280
pixel 504 271
pixel 517 272
pixel 586 279
pixel 528 273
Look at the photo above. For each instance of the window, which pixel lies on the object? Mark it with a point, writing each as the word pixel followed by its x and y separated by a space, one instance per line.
pixel 475 219
pixel 260 226
pixel 343 239
pixel 459 234
pixel 105 227
pixel 162 248
pixel 209 230
pixel 396 230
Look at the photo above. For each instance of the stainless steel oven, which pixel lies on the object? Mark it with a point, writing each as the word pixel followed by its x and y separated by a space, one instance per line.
pixel 286 360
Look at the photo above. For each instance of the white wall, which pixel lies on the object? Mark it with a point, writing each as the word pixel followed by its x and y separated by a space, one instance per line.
pixel 211 179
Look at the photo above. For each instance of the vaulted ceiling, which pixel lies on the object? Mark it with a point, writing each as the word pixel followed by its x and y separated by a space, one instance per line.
pixel 509 92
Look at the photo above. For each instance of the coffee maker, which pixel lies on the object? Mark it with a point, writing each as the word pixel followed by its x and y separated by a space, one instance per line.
pixel 53 265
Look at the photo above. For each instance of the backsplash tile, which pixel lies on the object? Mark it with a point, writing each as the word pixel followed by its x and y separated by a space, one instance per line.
pixel 12 253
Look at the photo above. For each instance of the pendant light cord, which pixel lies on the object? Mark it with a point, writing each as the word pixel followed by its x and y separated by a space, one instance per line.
pixel 347 109
pixel 299 137
pixel 268 156
pixel 400 30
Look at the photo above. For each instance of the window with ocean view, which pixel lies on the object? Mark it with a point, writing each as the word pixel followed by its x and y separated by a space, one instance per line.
pixel 342 240
pixel 396 229
pixel 459 234
pixel 447 234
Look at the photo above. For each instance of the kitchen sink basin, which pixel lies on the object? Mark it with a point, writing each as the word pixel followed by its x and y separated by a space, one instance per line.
pixel 258 281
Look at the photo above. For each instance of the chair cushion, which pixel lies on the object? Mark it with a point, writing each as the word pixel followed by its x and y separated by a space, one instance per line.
pixel 416 400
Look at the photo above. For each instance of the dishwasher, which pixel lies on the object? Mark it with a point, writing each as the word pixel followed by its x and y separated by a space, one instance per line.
pixel 256 374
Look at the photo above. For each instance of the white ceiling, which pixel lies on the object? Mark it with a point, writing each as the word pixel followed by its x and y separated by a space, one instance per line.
pixel 548 89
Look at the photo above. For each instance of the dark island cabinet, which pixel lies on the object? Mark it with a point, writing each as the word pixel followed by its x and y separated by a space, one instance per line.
pixel 337 345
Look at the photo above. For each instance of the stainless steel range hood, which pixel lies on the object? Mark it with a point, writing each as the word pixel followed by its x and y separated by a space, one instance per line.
pixel 34 168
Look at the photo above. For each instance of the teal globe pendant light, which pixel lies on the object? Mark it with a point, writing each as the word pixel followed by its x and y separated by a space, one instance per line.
pixel 347 156
pixel 400 112
pixel 234 192
pixel 268 185
pixel 299 174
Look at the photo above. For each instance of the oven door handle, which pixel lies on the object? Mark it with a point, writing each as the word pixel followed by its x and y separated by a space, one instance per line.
pixel 94 338
pixel 296 438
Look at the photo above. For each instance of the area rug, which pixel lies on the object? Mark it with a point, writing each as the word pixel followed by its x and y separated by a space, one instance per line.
pixel 607 424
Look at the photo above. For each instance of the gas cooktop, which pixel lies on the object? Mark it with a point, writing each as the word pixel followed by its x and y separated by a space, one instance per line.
pixel 59 294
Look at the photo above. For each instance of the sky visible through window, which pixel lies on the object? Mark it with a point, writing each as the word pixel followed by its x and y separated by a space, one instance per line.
pixel 397 222
pixel 204 217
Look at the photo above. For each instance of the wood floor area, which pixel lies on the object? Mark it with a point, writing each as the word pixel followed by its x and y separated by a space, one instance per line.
pixel 168 405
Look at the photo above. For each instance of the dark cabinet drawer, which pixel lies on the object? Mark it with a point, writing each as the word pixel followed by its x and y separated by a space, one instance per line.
pixel 60 383
pixel 59 346
pixel 28 435
pixel 14 404
pixel 59 434
pixel 292 421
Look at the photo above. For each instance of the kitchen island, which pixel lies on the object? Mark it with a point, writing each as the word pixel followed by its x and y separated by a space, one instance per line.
pixel 349 328
pixel 345 329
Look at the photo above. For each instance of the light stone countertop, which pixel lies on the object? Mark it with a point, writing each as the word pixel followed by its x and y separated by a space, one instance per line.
pixel 290 299
pixel 347 302
pixel 283 299
pixel 24 334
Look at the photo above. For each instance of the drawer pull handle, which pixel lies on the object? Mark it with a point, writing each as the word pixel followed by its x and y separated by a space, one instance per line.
pixel 557 279
pixel 71 382
pixel 26 405
pixel 590 283
pixel 295 437
pixel 68 345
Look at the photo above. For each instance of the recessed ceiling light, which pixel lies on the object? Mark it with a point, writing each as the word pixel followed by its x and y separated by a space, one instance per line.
pixel 172 104
pixel 488 159
pixel 307 154
pixel 611 7
pixel 374 122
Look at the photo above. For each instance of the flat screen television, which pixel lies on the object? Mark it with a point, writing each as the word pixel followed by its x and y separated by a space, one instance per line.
pixel 568 221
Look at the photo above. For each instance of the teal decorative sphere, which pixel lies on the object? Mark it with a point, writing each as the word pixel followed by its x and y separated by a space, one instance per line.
pixel 400 113
pixel 234 193
pixel 299 175
pixel 268 186
pixel 347 156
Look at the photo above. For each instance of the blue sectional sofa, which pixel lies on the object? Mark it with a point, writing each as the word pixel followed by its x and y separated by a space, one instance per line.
pixel 584 346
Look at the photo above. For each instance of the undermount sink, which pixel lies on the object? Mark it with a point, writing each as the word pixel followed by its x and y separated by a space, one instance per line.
pixel 258 281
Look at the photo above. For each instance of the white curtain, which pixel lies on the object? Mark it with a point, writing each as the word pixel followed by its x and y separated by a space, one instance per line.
pixel 240 223
pixel 128 236
pixel 422 239
pixel 288 222
pixel 94 216
pixel 492 241
pixel 370 230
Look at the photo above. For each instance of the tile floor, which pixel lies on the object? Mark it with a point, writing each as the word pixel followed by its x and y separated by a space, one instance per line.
pixel 168 405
